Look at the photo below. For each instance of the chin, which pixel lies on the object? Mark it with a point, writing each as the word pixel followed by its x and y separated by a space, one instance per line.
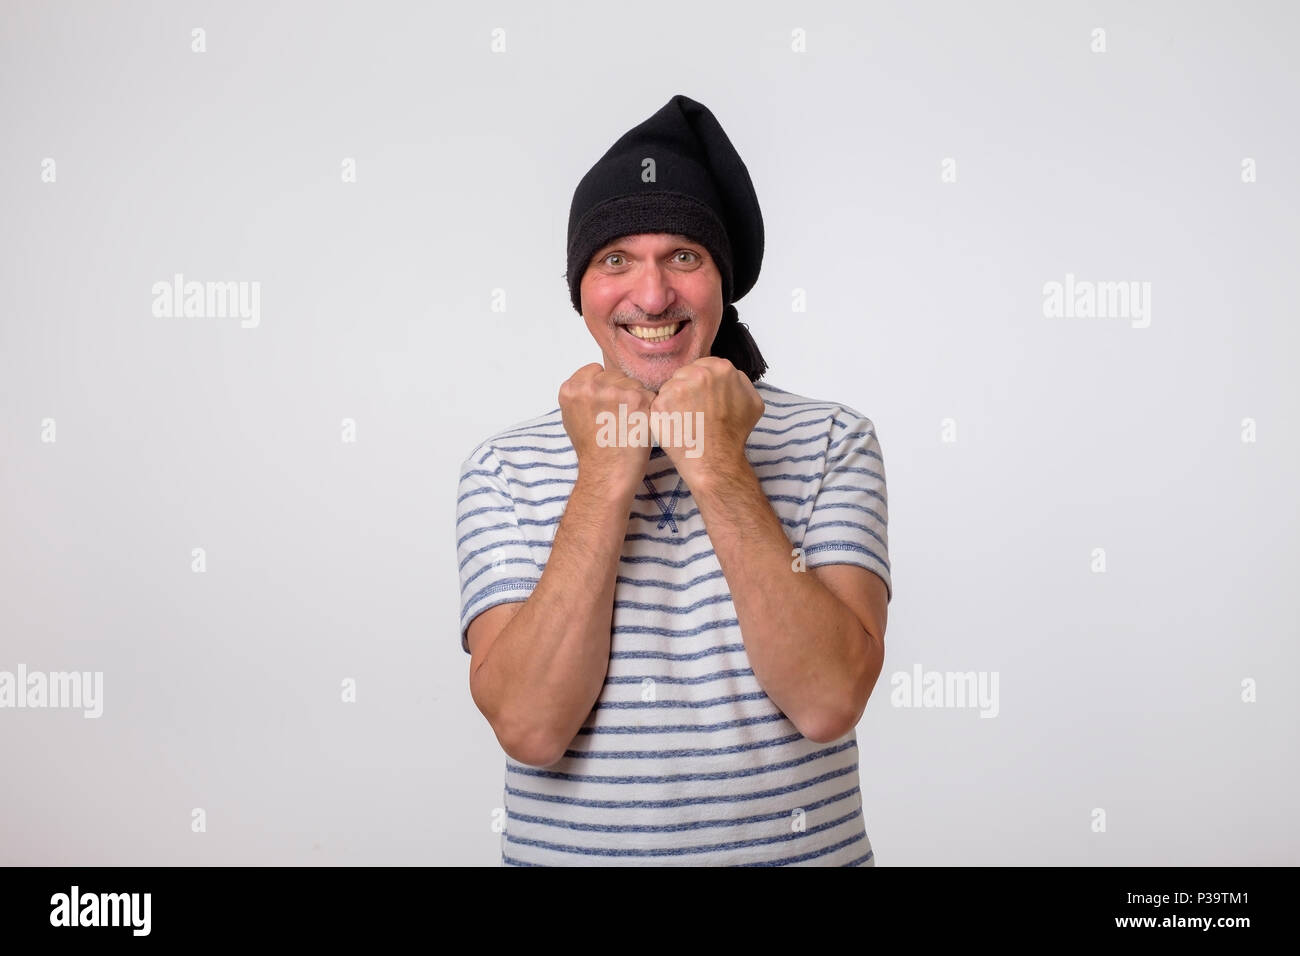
pixel 652 374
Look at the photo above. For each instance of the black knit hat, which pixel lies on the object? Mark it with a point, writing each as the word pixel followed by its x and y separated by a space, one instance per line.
pixel 700 189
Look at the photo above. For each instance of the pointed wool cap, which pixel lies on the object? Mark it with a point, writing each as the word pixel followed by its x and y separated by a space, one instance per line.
pixel 700 189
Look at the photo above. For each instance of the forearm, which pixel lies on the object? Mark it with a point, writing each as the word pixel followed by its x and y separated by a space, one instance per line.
pixel 809 652
pixel 546 669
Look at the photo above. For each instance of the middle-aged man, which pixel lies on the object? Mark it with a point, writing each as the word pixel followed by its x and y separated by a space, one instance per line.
pixel 674 586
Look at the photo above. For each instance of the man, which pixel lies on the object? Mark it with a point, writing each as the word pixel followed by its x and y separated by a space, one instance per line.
pixel 674 640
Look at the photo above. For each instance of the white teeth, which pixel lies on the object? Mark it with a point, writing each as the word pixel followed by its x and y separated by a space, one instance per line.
pixel 661 334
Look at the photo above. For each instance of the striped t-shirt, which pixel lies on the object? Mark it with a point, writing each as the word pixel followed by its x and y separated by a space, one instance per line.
pixel 684 760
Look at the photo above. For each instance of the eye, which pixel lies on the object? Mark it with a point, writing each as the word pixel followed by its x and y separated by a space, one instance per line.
pixel 688 252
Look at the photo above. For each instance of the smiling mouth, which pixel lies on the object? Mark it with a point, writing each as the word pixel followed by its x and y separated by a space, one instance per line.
pixel 655 333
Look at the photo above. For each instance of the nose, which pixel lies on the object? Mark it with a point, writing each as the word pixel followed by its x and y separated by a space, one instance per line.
pixel 653 291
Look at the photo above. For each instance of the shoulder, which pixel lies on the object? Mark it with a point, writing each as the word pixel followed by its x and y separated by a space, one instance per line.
pixel 541 433
pixel 788 407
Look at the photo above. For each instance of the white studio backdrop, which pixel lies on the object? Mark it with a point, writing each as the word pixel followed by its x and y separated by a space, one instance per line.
pixel 1095 510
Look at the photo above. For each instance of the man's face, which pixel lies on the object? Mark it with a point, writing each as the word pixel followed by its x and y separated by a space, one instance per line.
pixel 637 290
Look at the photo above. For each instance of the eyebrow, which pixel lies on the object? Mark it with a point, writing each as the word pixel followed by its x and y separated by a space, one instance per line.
pixel 682 242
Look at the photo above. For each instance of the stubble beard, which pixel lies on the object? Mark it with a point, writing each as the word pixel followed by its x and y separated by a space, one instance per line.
pixel 662 367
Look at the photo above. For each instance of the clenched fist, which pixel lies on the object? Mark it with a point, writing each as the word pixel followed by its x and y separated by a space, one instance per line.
pixel 584 396
pixel 723 406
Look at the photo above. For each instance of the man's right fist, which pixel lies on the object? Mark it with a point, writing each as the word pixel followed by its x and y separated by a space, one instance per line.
pixel 583 397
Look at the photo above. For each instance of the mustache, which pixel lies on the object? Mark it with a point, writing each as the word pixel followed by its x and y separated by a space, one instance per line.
pixel 642 318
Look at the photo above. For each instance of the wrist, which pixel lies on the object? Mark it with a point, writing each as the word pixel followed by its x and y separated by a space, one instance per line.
pixel 605 486
pixel 722 475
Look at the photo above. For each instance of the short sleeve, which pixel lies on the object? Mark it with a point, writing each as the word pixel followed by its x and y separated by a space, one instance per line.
pixel 849 523
pixel 495 559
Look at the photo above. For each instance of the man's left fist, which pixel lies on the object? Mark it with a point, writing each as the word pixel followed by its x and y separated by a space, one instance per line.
pixel 718 407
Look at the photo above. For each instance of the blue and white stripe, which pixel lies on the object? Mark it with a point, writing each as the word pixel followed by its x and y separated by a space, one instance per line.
pixel 708 771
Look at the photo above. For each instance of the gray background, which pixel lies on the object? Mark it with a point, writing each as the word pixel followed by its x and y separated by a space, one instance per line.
pixel 327 560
